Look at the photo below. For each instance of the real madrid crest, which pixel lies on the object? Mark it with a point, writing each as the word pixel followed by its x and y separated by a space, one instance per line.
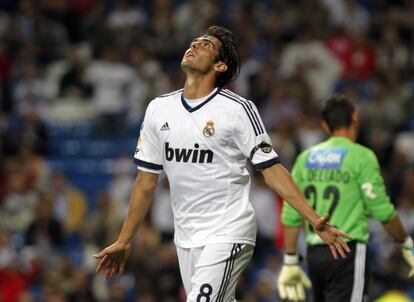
pixel 266 148
pixel 209 129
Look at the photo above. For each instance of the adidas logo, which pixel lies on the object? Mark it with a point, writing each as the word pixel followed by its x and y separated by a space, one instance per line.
pixel 165 127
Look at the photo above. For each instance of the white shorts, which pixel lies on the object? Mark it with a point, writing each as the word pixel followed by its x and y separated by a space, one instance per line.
pixel 210 273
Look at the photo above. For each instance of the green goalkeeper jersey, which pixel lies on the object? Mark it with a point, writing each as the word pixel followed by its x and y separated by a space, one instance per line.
pixel 341 178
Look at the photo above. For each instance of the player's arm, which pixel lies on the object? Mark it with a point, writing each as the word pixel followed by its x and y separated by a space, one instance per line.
pixel 291 235
pixel 395 229
pixel 112 259
pixel 381 208
pixel 279 180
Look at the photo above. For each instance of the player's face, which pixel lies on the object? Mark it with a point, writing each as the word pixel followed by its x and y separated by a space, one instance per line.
pixel 202 54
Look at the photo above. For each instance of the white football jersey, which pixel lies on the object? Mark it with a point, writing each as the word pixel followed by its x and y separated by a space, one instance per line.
pixel 204 152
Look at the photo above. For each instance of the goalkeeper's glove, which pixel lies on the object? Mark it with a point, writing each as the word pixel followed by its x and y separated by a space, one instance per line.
pixel 292 280
pixel 408 254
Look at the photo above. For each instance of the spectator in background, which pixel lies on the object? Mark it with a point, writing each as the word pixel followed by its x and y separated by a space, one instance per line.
pixel 7 250
pixel 391 52
pixel 45 231
pixel 125 16
pixel 191 17
pixel 51 33
pixel 119 187
pixel 81 291
pixel 35 168
pixel 111 80
pixel 105 220
pixel 31 92
pixel 73 82
pixel 142 86
pixel 150 80
pixel 362 58
pixel 308 57
pixel 33 132
pixel 261 82
pixel 126 23
pixel 24 20
pixel 69 204
pixel 167 271
pixel 15 280
pixel 341 45
pixel 18 206
pixel 280 106
pixel 349 14
pixel 385 111
pixel 161 29
pixel 58 283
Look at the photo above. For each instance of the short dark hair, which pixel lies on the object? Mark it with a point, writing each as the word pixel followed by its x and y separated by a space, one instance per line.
pixel 228 54
pixel 337 112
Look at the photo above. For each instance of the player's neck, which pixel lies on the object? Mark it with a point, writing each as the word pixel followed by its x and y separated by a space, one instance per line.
pixel 348 133
pixel 196 87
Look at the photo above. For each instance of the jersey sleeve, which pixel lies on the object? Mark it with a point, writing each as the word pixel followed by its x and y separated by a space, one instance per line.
pixel 291 217
pixel 252 139
pixel 373 190
pixel 148 154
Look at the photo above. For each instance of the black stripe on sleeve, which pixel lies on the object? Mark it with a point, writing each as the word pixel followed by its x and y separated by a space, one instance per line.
pixel 267 164
pixel 245 109
pixel 256 116
pixel 250 106
pixel 147 165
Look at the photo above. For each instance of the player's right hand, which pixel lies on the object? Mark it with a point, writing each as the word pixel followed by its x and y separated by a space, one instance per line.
pixel 408 254
pixel 112 259
pixel 292 280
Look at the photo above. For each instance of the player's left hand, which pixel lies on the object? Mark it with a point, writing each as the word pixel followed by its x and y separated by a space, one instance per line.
pixel 332 237
pixel 408 254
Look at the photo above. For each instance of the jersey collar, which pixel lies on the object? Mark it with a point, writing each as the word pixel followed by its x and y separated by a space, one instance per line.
pixel 340 138
pixel 191 109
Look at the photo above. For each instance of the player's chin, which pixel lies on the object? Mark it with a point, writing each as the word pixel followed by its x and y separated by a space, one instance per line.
pixel 186 65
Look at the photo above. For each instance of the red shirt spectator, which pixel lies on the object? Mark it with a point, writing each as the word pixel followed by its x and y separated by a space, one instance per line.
pixel 363 58
pixel 13 282
pixel 356 54
pixel 342 46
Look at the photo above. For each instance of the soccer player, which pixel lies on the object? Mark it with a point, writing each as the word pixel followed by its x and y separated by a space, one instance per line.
pixel 342 179
pixel 201 137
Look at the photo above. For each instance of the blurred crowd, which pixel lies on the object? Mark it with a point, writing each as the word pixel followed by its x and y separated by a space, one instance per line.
pixel 64 62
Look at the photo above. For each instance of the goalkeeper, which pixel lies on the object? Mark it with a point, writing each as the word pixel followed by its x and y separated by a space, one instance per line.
pixel 342 179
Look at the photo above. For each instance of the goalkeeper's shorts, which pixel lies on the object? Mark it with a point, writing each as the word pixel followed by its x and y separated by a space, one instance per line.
pixel 341 280
pixel 211 272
